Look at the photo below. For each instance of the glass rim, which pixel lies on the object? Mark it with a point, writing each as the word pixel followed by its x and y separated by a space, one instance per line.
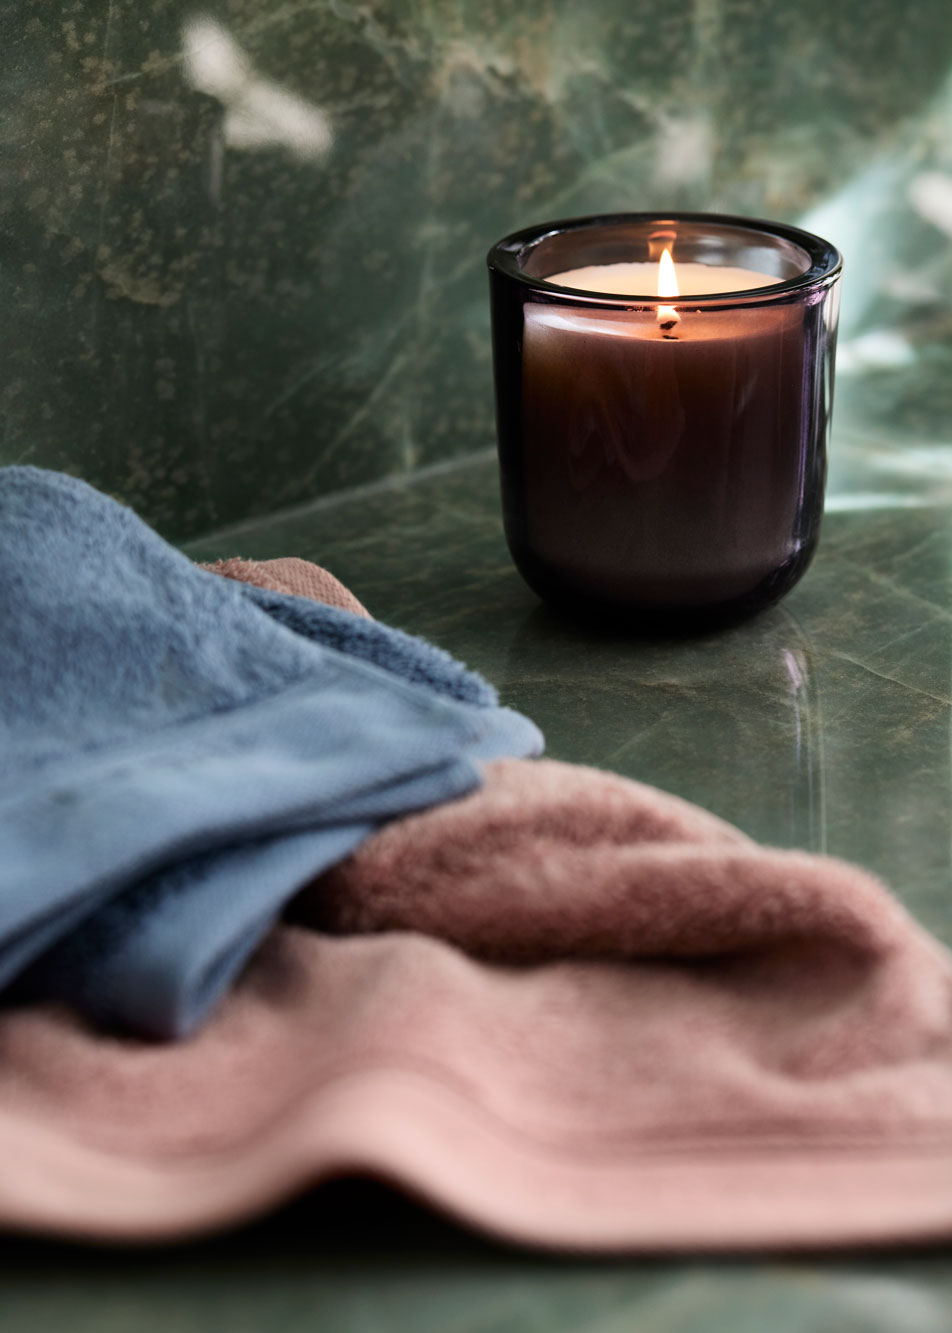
pixel 826 262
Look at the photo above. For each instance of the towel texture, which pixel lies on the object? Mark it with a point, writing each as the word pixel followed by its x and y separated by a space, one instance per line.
pixel 289 575
pixel 180 752
pixel 418 661
pixel 692 1041
pixel 579 1013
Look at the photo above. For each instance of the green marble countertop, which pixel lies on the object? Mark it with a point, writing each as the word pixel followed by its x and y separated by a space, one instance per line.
pixel 825 724
pixel 822 724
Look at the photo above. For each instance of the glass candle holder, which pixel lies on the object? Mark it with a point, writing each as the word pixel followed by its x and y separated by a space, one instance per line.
pixel 663 394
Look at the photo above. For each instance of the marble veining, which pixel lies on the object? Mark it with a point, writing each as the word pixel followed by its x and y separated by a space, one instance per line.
pixel 823 723
pixel 241 243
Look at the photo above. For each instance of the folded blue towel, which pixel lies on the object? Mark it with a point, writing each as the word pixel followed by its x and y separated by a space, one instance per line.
pixel 179 753
pixel 412 658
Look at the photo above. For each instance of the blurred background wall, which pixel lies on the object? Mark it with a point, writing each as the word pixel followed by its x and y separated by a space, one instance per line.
pixel 242 244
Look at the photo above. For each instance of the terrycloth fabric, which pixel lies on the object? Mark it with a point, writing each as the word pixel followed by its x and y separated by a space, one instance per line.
pixel 290 596
pixel 693 1042
pixel 289 575
pixel 175 763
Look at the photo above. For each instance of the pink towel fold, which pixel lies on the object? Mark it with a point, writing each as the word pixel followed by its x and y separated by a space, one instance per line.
pixel 569 1009
pixel 288 574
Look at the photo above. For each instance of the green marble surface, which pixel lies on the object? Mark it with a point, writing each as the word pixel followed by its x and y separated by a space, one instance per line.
pixel 825 724
pixel 242 241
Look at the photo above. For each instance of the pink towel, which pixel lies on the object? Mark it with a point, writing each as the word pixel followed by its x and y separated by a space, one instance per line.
pixel 289 574
pixel 568 1009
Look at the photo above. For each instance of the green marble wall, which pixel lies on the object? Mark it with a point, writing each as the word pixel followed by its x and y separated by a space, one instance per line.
pixel 241 256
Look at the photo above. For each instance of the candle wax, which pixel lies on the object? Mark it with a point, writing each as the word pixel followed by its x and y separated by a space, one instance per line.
pixel 641 279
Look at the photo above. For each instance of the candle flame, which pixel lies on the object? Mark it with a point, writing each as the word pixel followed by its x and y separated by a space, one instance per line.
pixel 667 275
pixel 667 286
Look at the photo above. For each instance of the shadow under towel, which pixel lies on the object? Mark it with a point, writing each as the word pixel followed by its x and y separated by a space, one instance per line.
pixel 176 759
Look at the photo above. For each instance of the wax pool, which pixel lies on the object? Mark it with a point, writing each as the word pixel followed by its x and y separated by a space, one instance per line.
pixel 661 458
pixel 638 279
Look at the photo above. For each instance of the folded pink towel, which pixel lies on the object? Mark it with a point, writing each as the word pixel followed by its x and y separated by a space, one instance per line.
pixel 576 1012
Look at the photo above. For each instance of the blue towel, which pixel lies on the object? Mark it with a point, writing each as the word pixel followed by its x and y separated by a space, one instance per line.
pixel 179 753
pixel 412 658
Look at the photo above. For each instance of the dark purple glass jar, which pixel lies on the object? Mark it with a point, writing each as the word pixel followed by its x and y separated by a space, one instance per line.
pixel 663 458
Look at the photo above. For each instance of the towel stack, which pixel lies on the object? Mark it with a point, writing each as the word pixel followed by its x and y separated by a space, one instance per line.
pixel 566 1007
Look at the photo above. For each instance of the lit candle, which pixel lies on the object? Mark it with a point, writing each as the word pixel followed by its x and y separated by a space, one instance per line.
pixel 662 434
